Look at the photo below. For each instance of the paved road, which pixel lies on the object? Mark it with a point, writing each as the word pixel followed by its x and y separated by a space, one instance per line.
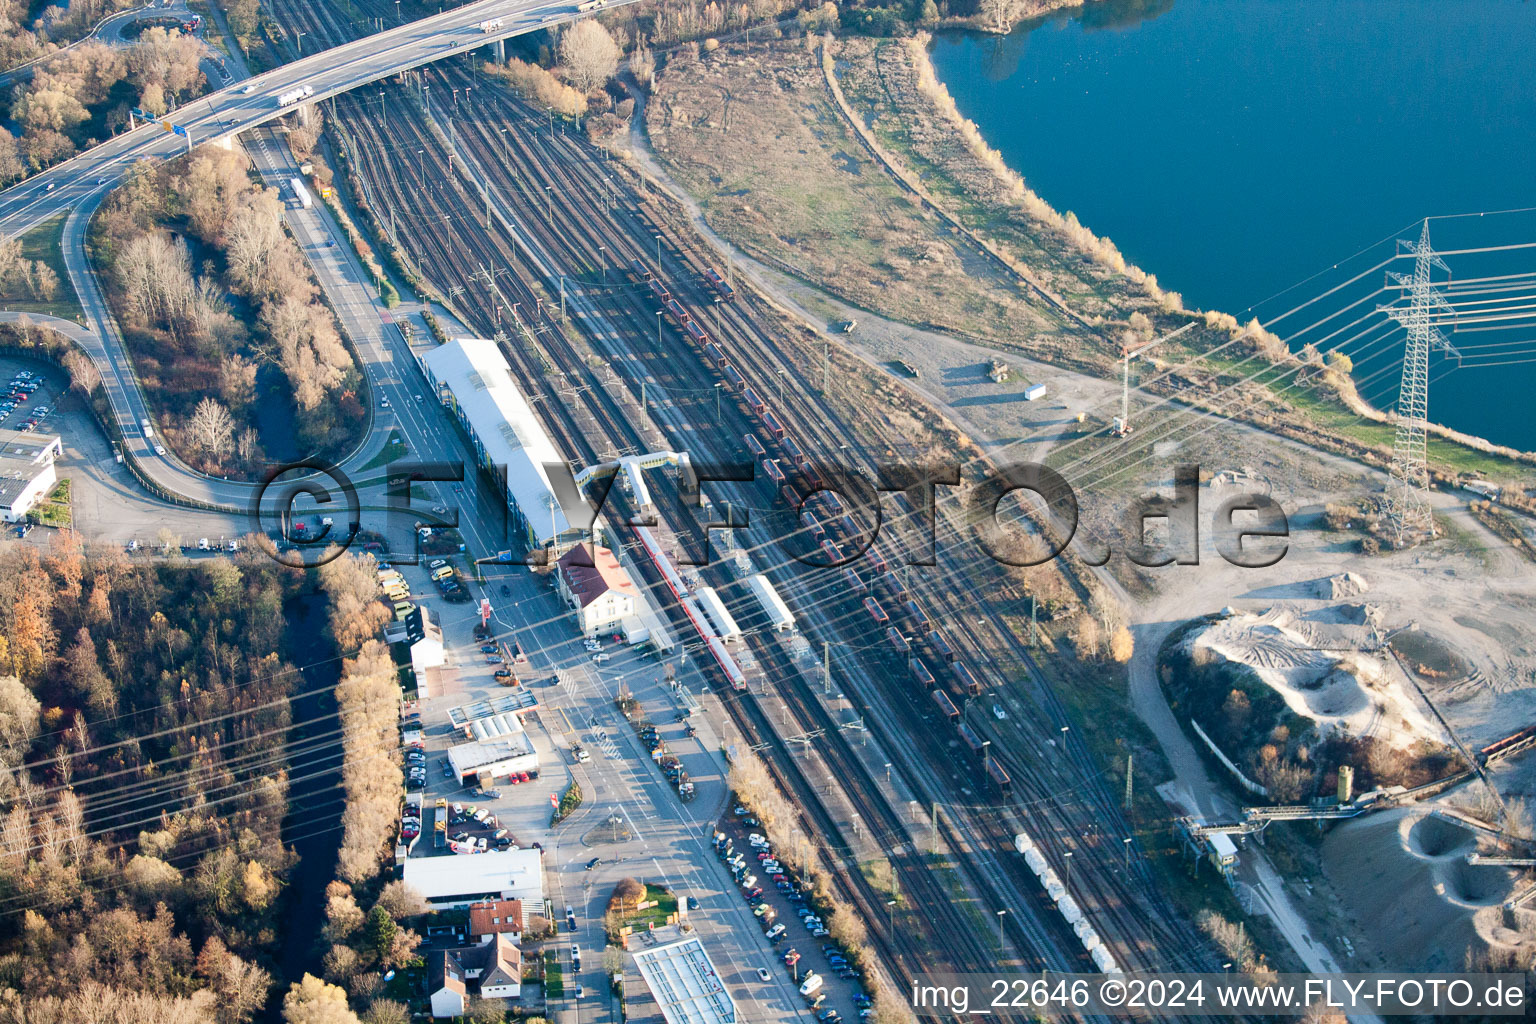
pixel 232 110
pixel 108 30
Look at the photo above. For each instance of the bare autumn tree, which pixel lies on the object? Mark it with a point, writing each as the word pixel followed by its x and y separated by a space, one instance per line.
pixel 312 1001
pixel 1002 14
pixel 368 698
pixel 627 894
pixel 210 429
pixel 351 583
pixel 589 55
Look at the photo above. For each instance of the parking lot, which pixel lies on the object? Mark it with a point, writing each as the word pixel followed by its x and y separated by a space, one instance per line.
pixel 30 400
pixel 799 937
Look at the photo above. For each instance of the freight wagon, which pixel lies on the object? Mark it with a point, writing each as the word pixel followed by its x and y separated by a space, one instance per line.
pixel 716 356
pixel 940 646
pixel 772 425
pixel 921 674
pixel 808 521
pixel 639 271
pixel 917 616
pixel 696 332
pixel 875 561
pixel 998 775
pixel 791 497
pixel 946 705
pixel 792 449
pixel 734 380
pixel 834 554
pixel 676 311
pixel 754 446
pixel 897 640
pixel 971 739
pixel 753 402
pixel 718 283
pixel 853 581
pixel 771 468
pixel 875 611
pixel 967 679
pixel 660 291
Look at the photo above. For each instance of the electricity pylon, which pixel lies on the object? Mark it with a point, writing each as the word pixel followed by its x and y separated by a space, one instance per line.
pixel 1407 491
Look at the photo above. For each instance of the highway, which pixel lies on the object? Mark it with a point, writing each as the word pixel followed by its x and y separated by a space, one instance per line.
pixel 232 110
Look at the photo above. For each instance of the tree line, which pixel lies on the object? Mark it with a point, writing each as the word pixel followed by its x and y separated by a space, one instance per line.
pixel 210 291
pixel 83 96
pixel 143 783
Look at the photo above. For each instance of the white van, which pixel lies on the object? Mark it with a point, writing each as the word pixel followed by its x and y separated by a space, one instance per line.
pixel 149 431
pixel 811 983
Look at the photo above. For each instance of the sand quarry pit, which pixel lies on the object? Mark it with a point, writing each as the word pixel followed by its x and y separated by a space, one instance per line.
pixel 1403 881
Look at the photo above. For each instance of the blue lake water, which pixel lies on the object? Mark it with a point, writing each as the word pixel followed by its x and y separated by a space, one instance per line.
pixel 1236 148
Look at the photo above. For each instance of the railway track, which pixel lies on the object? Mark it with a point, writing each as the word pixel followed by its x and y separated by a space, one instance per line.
pixel 491 281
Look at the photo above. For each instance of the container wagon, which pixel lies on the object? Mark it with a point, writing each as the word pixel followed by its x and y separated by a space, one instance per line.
pixel 755 446
pixel 734 380
pixel 918 616
pixel 921 674
pixel 853 581
pixel 940 646
pixel 946 705
pixel 676 311
pixel 811 526
pixel 875 611
pixel 696 332
pixel 753 402
pixel 897 640
pixel 792 449
pixel 660 291
pixel 967 679
pixel 639 271
pixel 771 467
pixel 716 356
pixel 771 424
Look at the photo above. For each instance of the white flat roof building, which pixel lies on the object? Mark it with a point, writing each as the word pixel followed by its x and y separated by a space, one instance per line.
pixel 458 881
pixel 684 983
pixel 23 483
pixel 494 757
pixel 509 440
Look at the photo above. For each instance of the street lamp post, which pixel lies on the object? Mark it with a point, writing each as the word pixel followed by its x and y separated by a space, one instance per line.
pixel 891 906
pixel 1127 842
pixel 1000 914
pixel 1067 872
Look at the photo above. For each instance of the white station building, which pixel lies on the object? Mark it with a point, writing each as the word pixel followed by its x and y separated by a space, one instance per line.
pixel 473 380
pixel 26 471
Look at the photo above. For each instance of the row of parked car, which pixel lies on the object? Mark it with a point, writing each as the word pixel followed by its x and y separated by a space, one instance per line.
pixel 745 873
pixel 21 388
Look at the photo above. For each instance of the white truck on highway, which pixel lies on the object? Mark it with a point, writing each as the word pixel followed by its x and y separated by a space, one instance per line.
pixel 490 26
pixel 294 95
pixel 149 431
pixel 301 193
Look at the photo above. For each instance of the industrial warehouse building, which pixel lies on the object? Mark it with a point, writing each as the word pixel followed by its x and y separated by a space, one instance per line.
pixel 474 380
pixel 26 471
pixel 457 881
pixel 495 757
pixel 680 983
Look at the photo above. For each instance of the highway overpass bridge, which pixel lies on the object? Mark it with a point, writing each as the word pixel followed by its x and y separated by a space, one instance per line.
pixel 223 114
pixel 78 186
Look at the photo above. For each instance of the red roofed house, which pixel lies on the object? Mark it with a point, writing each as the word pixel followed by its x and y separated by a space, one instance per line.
pixel 592 581
pixel 491 918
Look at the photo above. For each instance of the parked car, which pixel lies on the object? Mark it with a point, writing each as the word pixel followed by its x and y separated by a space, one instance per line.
pixel 762 972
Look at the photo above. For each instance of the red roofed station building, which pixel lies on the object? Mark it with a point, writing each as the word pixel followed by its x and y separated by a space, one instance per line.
pixel 592 582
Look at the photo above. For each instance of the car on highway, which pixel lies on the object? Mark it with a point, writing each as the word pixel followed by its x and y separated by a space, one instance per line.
pixel 693 903
pixel 762 972
pixel 247 90
pixel 580 991
pixel 570 918
pixel 383 403
pixel 594 862
pixel 159 449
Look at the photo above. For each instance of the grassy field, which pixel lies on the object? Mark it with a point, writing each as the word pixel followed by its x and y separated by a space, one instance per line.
pixel 55 509
pixel 45 243
pixel 395 449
